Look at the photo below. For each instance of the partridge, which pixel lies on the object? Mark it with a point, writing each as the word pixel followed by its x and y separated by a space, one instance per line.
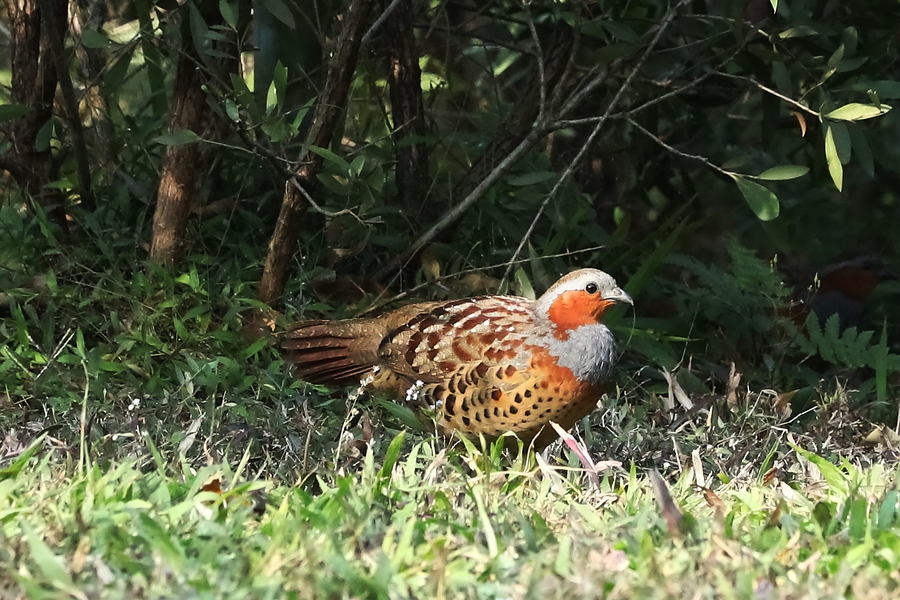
pixel 842 290
pixel 484 365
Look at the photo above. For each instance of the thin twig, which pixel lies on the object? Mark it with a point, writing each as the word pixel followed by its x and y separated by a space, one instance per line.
pixel 631 112
pixel 380 302
pixel 319 209
pixel 539 128
pixel 457 211
pixel 378 23
pixel 676 152
pixel 576 98
pixel 542 79
pixel 768 90
pixel 670 15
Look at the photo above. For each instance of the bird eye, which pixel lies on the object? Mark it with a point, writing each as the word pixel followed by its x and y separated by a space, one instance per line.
pixel 591 288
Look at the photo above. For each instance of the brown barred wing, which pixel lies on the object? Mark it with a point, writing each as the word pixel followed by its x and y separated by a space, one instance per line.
pixel 477 331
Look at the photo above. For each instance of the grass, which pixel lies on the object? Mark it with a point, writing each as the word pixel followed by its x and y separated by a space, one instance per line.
pixel 149 451
pixel 426 521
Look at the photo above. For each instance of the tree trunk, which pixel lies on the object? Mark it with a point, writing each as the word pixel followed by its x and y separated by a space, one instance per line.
pixel 69 101
pixel 179 181
pixel 326 115
pixel 87 15
pixel 180 176
pixel 34 80
pixel 408 113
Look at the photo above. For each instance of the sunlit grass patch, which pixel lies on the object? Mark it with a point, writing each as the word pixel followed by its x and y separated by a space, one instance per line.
pixel 426 521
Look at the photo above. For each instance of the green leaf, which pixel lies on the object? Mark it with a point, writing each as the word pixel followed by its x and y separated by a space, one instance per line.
pixel 850 39
pixel 842 141
pixel 782 78
pixel 228 13
pixel 232 110
pixel 405 414
pixel 44 136
pixel 161 541
pixel 833 62
pixel 9 112
pixel 331 157
pixel 112 367
pixel 91 38
pixel 835 168
pixel 21 461
pixel 830 473
pixel 116 73
pixel 357 165
pixel 563 563
pixel 783 173
pixel 523 284
pixel 857 112
pixel 181 330
pixel 280 11
pixel 177 138
pixel 799 31
pixel 62 184
pixel 858 555
pixel 888 511
pixel 335 183
pixel 279 80
pixel 255 347
pixel 824 513
pixel 393 452
pixel 50 565
pixel 859 510
pixel 199 28
pixel 851 64
pixel 243 94
pixel 619 30
pixel 763 202
pixel 611 52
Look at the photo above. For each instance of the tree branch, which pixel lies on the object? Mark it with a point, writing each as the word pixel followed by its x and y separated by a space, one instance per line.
pixel 55 39
pixel 326 115
pixel 670 15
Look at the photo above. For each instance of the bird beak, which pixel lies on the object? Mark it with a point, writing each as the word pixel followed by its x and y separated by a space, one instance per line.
pixel 618 295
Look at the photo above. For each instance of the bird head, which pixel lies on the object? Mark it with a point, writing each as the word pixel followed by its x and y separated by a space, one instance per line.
pixel 580 298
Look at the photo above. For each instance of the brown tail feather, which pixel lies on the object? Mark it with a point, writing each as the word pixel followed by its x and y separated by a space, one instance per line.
pixel 331 372
pixel 333 351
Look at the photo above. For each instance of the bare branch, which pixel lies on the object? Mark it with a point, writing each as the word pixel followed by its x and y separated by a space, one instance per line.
pixel 380 303
pixel 378 23
pixel 768 90
pixel 669 148
pixel 457 211
pixel 670 15
pixel 542 79
pixel 312 203
pixel 520 132
pixel 326 115
pixel 631 112
pixel 53 13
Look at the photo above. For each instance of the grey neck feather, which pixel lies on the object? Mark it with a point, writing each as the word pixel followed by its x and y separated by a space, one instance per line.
pixel 589 352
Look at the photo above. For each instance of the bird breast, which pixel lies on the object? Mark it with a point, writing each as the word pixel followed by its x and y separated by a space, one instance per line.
pixel 588 351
